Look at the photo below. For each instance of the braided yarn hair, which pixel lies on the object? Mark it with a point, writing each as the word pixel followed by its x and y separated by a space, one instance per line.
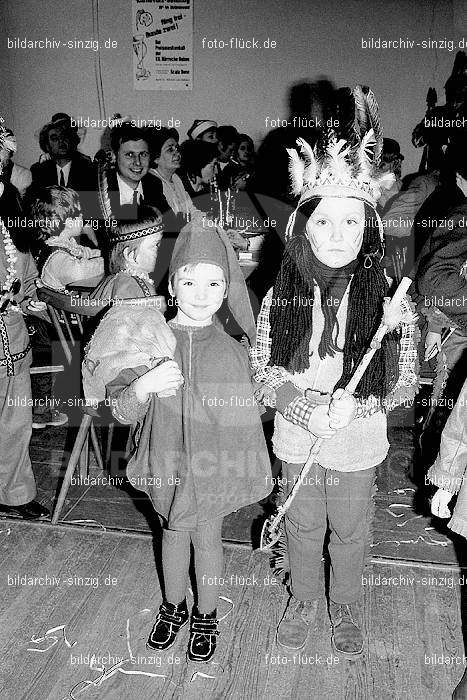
pixel 292 322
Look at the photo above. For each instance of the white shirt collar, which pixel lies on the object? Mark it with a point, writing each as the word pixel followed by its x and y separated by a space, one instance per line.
pixel 65 170
pixel 126 192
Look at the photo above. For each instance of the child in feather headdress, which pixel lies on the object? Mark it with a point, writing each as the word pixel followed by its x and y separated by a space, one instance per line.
pixel 313 328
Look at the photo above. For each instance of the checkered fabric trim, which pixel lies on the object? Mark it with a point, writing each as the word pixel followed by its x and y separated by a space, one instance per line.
pixel 299 412
pixel 408 353
pixel 274 377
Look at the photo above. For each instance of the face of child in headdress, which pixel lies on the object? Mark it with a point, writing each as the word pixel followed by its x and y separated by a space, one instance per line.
pixel 145 255
pixel 335 230
pixel 199 290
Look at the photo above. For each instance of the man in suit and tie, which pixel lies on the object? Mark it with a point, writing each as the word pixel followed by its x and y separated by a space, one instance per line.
pixel 129 183
pixel 124 183
pixel 66 165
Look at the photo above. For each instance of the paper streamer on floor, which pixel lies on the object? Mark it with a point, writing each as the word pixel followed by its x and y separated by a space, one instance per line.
pixel 76 690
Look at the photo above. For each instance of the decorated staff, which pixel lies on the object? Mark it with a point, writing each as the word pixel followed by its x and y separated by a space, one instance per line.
pixel 313 330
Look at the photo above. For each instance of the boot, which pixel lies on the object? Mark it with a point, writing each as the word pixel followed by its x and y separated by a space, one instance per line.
pixel 293 629
pixel 346 635
pixel 460 692
pixel 169 620
pixel 203 633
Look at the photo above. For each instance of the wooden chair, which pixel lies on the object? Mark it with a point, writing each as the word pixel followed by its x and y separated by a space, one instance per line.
pixel 80 456
pixel 66 313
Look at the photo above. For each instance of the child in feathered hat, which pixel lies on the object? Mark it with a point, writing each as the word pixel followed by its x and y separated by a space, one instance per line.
pixel 205 441
pixel 313 328
pixel 133 247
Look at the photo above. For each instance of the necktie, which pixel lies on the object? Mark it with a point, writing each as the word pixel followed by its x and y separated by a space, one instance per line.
pixel 135 198
pixel 62 179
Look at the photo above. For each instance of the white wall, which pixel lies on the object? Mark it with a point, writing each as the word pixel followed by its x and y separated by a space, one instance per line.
pixel 316 38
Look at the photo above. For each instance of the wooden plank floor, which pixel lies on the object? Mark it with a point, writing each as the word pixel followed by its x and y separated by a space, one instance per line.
pixel 408 619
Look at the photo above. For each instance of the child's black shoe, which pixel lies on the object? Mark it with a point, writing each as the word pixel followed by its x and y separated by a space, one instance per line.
pixel 203 633
pixel 169 620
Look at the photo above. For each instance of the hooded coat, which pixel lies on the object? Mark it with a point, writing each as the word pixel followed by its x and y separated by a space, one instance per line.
pixel 200 454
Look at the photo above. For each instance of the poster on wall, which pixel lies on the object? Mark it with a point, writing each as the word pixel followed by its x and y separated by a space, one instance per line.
pixel 162 45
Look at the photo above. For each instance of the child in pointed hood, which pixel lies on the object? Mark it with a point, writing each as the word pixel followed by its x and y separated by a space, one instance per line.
pixel 205 444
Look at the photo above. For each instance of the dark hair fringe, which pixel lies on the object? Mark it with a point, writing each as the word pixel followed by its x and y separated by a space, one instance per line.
pixel 292 324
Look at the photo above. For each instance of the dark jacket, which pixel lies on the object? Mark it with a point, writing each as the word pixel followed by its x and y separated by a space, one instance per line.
pixel 82 179
pixel 439 278
pixel 152 195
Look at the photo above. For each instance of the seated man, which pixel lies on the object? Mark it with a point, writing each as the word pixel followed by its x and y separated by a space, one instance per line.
pixel 66 166
pixel 128 183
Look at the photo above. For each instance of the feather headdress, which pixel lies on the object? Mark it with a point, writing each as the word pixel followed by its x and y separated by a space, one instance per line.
pixel 342 167
pixel 103 192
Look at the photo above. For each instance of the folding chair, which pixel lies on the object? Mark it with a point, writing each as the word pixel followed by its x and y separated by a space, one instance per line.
pixel 64 315
pixel 79 455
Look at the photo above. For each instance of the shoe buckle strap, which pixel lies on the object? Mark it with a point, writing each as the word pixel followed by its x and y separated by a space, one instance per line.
pixel 169 618
pixel 205 627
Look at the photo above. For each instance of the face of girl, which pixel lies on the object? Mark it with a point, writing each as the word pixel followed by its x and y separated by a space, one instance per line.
pixel 244 152
pixel 73 226
pixel 207 173
pixel 335 230
pixel 169 159
pixel 146 255
pixel 199 292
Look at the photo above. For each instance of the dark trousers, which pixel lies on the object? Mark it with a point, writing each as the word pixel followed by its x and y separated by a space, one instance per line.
pixel 342 501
